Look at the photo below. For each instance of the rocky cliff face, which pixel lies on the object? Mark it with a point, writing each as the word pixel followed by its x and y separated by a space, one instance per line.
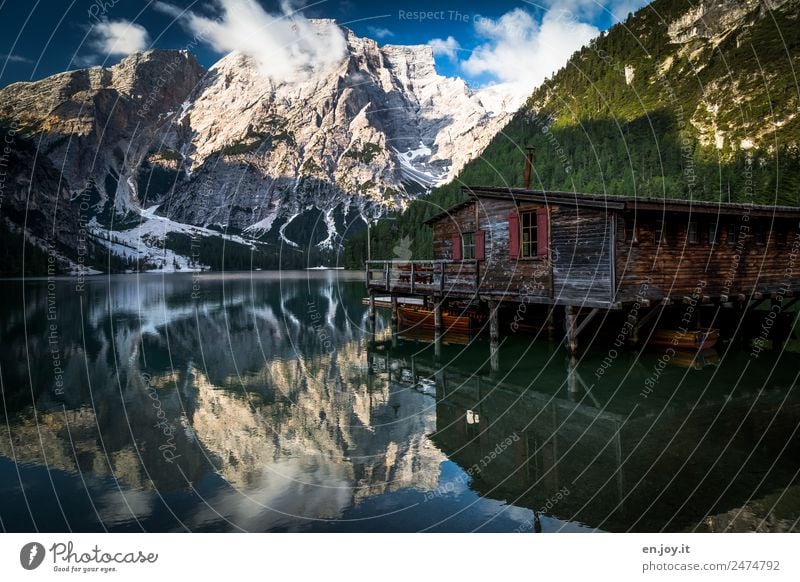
pixel 76 145
pixel 372 132
pixel 97 125
pixel 155 145
pixel 713 20
pixel 723 68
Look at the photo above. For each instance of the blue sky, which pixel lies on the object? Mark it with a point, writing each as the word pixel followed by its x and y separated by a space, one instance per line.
pixel 482 42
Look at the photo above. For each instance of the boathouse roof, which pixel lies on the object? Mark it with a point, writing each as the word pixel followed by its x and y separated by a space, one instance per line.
pixel 615 202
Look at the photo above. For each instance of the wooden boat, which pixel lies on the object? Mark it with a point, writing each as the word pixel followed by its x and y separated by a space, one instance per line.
pixel 693 339
pixel 427 335
pixel 422 317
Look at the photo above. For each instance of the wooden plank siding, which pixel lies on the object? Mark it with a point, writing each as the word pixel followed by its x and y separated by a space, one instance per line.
pixel 498 273
pixel 456 223
pixel 677 268
pixel 581 241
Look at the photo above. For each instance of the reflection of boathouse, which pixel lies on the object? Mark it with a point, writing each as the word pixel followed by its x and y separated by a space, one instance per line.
pixel 697 457
pixel 590 254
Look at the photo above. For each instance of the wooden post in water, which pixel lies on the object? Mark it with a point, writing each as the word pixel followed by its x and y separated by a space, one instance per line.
pixel 395 320
pixel 372 304
pixel 551 323
pixel 438 327
pixel 372 311
pixel 573 389
pixel 494 325
pixel 633 337
pixel 571 328
pixel 394 310
pixel 494 356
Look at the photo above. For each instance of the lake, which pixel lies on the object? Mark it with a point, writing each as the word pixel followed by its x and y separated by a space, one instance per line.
pixel 264 402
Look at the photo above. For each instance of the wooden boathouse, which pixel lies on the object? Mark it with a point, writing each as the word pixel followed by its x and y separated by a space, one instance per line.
pixel 580 254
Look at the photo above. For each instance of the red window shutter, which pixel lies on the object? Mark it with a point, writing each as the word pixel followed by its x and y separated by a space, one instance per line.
pixel 513 234
pixel 456 247
pixel 480 245
pixel 542 238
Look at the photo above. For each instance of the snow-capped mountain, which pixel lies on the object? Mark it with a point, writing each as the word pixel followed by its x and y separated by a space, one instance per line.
pixel 379 127
pixel 121 157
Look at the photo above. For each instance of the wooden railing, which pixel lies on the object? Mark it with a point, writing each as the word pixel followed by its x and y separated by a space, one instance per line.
pixel 423 277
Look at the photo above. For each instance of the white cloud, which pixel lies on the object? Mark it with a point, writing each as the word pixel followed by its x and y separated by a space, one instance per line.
pixel 590 9
pixel 445 47
pixel 15 59
pixel 118 37
pixel 521 51
pixel 286 46
pixel 379 33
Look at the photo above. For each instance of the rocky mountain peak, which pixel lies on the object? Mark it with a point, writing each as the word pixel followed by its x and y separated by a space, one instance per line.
pixel 159 145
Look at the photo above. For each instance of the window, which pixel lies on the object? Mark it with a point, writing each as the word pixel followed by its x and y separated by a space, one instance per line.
pixel 760 234
pixel 780 238
pixel 692 234
pixel 529 234
pixel 660 232
pixel 630 230
pixel 713 234
pixel 731 232
pixel 468 245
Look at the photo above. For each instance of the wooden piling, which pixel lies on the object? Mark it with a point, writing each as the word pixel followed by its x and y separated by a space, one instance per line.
pixel 550 324
pixel 573 389
pixel 633 336
pixel 394 309
pixel 494 356
pixel 438 328
pixel 372 313
pixel 570 328
pixel 494 325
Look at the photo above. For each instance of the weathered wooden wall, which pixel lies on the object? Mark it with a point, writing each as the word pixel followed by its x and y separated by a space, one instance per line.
pixel 581 241
pixel 499 273
pixel 454 223
pixel 676 268
pixel 502 273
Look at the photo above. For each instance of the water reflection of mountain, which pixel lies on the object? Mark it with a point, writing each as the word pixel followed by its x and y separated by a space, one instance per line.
pixel 256 394
pixel 711 450
pixel 261 405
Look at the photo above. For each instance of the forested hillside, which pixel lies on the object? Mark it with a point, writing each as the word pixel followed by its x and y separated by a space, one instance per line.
pixel 683 100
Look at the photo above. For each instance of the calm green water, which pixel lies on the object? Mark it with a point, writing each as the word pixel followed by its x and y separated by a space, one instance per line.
pixel 261 402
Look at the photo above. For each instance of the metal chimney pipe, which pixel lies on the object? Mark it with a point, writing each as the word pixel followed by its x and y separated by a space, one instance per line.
pixel 526 177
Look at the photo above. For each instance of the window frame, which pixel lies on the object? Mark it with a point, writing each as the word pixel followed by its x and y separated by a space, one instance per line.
pixel 712 231
pixel 760 236
pixel 631 234
pixel 532 229
pixel 467 249
pixel 692 235
pixel 731 236
pixel 659 233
